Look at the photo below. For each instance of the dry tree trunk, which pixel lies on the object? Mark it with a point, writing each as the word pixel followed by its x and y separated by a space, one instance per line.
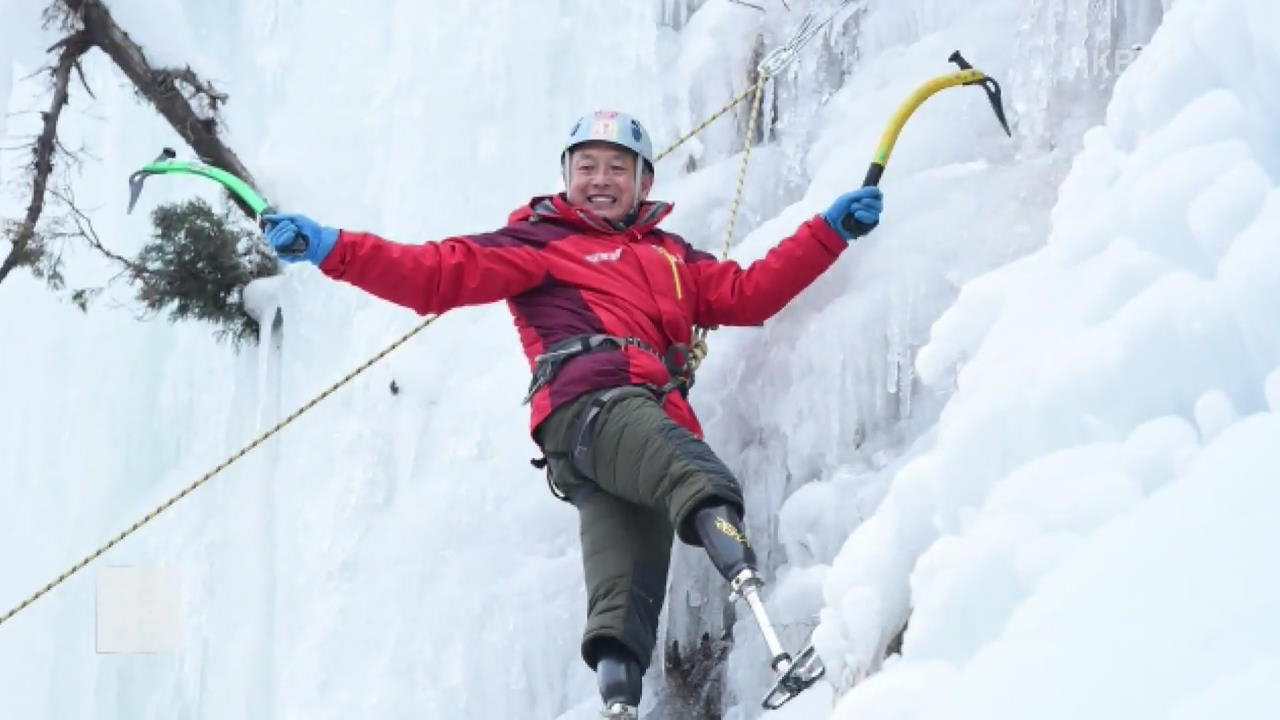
pixel 26 247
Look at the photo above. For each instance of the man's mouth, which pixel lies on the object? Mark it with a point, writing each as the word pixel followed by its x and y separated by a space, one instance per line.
pixel 602 201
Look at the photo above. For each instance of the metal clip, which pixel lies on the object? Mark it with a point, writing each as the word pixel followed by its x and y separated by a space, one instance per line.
pixel 782 56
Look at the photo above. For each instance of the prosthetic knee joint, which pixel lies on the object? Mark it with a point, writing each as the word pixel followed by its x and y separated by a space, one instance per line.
pixel 721 530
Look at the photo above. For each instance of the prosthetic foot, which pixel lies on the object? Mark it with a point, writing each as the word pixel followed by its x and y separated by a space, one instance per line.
pixel 721 530
pixel 794 675
pixel 618 711
pixel 619 678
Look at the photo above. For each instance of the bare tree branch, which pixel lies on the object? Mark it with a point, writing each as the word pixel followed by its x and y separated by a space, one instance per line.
pixel 87 232
pixel 200 132
pixel 83 82
pixel 84 232
pixel 23 251
pixel 170 77
pixel 58 15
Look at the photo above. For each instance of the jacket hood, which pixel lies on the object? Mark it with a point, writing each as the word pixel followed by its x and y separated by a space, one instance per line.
pixel 556 208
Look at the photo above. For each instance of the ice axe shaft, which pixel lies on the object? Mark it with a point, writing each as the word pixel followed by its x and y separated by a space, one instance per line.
pixel 966 75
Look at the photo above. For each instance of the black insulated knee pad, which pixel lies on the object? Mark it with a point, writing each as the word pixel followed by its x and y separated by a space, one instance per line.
pixel 724 537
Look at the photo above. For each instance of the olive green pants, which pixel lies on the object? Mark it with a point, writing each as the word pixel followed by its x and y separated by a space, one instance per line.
pixel 637 484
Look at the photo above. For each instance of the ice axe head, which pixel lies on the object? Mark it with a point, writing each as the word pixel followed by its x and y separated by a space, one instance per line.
pixel 136 179
pixel 989 85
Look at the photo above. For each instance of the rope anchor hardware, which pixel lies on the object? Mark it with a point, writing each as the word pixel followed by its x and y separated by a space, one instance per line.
pixel 780 57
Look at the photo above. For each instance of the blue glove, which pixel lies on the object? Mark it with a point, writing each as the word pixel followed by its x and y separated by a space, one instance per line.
pixel 863 205
pixel 298 237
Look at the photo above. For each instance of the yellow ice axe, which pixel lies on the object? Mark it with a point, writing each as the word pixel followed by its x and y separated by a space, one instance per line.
pixel 966 75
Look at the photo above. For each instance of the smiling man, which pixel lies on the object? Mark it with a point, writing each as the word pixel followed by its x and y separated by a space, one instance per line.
pixel 607 178
pixel 604 303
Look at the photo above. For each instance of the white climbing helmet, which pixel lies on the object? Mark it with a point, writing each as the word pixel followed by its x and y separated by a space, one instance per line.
pixel 612 127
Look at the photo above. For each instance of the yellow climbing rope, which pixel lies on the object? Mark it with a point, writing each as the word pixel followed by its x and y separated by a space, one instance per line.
pixel 698 348
pixel 220 467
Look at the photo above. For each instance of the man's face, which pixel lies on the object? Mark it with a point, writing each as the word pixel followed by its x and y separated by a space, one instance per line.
pixel 602 177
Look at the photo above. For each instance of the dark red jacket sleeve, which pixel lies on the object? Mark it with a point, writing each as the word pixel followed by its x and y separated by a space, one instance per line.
pixel 436 276
pixel 730 295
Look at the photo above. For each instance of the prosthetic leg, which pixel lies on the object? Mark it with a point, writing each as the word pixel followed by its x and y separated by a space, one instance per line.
pixel 721 530
pixel 618 711
pixel 619 677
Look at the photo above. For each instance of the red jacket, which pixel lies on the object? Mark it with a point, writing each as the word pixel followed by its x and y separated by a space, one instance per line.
pixel 563 271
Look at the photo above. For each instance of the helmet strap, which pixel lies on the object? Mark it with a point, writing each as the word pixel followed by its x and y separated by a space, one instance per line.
pixel 635 198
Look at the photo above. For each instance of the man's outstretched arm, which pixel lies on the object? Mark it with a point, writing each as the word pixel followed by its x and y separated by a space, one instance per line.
pixel 731 295
pixel 429 278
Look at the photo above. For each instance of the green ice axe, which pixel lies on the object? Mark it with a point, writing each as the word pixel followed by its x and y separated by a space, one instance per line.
pixel 966 75
pixel 165 164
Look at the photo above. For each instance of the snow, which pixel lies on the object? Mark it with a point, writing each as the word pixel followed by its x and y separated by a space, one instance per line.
pixel 1034 413
pixel 1156 633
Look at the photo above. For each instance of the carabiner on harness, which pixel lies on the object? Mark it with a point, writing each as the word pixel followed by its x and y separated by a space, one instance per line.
pixel 678 360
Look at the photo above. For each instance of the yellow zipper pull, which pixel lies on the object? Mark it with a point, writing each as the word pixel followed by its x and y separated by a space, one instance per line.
pixel 675 270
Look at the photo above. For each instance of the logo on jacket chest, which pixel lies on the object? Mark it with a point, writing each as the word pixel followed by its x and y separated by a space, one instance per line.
pixel 600 257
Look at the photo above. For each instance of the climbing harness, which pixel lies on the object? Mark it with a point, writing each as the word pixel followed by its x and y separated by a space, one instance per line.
pixel 676 360
pixel 579 452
